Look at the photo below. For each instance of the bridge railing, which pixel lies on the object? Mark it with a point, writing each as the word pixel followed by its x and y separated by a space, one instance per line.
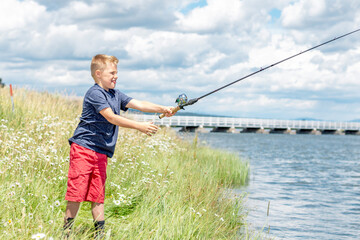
pixel 195 121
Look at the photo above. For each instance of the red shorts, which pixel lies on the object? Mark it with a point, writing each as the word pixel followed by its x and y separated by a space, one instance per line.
pixel 87 175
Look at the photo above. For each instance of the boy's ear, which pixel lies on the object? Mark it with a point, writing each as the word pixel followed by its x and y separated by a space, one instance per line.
pixel 97 73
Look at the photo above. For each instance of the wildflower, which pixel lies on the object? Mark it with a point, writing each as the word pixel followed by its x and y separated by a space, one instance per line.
pixel 51 222
pixel 221 219
pixel 10 221
pixel 198 213
pixel 117 202
pixel 31 215
pixel 44 197
pixel 22 200
pixel 57 203
pixel 38 236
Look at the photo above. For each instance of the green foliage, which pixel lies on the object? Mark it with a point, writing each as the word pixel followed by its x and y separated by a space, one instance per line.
pixel 158 187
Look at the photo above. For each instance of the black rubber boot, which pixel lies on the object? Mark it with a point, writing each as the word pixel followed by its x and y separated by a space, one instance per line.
pixel 69 222
pixel 99 229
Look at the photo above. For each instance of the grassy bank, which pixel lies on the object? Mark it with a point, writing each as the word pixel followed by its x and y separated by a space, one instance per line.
pixel 157 187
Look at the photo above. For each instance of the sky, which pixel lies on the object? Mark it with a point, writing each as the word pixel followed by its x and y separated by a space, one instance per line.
pixel 166 48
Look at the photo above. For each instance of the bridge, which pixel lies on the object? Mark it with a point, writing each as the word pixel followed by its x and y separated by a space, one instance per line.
pixel 251 125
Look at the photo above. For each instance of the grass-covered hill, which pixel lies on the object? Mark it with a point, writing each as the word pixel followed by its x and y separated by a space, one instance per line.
pixel 158 187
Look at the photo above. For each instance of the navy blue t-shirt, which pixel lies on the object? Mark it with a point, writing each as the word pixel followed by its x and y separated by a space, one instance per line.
pixel 94 131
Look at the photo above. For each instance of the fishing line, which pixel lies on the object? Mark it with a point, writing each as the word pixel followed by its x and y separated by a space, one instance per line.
pixel 182 99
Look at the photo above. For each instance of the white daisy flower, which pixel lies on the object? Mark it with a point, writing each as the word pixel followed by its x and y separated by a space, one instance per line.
pixel 38 236
pixel 57 203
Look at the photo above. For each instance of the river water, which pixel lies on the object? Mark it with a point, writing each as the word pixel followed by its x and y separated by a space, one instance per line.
pixel 310 183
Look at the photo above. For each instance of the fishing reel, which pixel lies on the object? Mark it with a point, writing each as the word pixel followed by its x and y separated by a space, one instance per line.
pixel 181 102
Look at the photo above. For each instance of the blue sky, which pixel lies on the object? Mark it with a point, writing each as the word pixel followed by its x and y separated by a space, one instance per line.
pixel 192 5
pixel 167 48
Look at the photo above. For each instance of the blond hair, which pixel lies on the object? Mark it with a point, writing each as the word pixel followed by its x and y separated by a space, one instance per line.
pixel 99 62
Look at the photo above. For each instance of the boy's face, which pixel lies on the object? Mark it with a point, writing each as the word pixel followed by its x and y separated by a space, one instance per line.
pixel 107 78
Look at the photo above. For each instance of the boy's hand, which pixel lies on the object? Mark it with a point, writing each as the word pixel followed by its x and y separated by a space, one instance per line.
pixel 148 128
pixel 169 111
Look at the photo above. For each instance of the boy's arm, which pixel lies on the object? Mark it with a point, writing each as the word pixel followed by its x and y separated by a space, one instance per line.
pixel 145 127
pixel 145 106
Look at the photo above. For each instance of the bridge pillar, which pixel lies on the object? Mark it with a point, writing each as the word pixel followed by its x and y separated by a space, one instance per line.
pixel 283 131
pixel 308 131
pixel 220 129
pixel 224 129
pixel 233 130
pixel 254 130
pixel 188 129
pixel 333 132
pixel 201 129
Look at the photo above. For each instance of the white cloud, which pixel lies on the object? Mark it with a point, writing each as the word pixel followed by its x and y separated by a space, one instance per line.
pixel 312 21
pixel 18 15
pixel 297 14
pixel 52 74
pixel 166 48
pixel 216 16
pixel 165 51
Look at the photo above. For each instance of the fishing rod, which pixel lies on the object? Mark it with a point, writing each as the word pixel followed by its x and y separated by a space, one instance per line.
pixel 182 100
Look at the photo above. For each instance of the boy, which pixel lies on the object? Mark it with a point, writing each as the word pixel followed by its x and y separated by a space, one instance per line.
pixel 95 137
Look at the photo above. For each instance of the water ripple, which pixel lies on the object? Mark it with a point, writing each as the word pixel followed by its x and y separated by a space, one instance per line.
pixel 311 182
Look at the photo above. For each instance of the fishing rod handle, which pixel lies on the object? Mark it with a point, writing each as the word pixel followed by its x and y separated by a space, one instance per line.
pixel 173 111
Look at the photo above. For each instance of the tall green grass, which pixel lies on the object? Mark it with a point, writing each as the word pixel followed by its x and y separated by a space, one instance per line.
pixel 158 187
